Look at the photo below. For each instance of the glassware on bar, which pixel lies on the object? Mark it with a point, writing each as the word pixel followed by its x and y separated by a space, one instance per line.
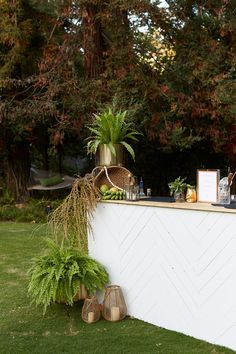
pixel 131 192
pixel 224 191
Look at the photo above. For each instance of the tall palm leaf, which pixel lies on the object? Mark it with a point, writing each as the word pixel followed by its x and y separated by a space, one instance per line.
pixel 111 128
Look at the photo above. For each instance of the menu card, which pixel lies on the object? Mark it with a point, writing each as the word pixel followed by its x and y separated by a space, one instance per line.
pixel 207 185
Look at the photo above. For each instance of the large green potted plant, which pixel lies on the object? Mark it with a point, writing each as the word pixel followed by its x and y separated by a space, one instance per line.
pixel 178 189
pixel 110 133
pixel 58 275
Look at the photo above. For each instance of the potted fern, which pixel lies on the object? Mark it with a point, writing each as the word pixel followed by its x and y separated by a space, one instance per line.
pixel 57 276
pixel 110 133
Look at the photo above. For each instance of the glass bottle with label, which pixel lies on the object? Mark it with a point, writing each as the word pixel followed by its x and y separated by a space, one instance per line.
pixel 141 188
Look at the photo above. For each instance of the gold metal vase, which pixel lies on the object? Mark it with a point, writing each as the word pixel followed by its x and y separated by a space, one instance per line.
pixel 80 295
pixel 104 156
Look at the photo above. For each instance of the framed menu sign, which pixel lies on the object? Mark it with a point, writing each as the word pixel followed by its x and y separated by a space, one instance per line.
pixel 207 185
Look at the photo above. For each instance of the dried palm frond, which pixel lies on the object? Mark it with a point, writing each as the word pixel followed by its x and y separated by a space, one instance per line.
pixel 70 223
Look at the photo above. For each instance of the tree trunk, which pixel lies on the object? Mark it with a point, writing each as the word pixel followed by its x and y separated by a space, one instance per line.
pixel 41 143
pixel 93 43
pixel 59 156
pixel 18 170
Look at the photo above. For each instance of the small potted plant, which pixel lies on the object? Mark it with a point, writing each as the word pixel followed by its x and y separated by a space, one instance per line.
pixel 58 276
pixel 110 133
pixel 178 189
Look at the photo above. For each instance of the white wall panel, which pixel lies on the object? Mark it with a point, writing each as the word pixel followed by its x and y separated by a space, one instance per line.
pixel 177 267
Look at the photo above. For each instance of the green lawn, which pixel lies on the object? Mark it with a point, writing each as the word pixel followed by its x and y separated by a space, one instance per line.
pixel 23 328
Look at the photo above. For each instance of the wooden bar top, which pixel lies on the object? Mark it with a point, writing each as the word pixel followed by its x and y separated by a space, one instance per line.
pixel 199 206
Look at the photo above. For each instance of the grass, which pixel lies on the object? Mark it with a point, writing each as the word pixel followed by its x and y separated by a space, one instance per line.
pixel 23 328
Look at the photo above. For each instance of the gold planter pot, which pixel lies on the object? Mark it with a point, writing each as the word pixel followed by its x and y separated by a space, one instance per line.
pixel 104 156
pixel 80 295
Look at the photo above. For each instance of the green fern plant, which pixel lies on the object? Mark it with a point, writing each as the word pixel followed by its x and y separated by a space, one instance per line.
pixel 111 127
pixel 57 276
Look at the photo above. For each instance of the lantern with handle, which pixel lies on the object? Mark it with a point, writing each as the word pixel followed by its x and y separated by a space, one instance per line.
pixel 91 310
pixel 114 307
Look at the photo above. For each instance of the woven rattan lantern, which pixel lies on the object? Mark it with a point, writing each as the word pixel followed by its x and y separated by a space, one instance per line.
pixel 91 310
pixel 114 307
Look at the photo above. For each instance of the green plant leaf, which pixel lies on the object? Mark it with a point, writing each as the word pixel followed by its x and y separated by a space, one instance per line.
pixel 129 148
pixel 178 185
pixel 57 275
pixel 112 148
pixel 110 127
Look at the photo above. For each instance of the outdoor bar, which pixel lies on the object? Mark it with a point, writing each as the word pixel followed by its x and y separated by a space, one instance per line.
pixel 118 176
pixel 176 263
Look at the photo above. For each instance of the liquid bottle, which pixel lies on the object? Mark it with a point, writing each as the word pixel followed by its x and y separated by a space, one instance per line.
pixel 141 188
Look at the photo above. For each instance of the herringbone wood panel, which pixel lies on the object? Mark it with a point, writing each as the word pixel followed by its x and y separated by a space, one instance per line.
pixel 177 267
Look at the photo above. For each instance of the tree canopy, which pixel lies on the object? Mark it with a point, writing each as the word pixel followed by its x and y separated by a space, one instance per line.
pixel 62 61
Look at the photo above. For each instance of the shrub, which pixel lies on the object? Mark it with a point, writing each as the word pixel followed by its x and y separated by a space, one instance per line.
pixel 32 211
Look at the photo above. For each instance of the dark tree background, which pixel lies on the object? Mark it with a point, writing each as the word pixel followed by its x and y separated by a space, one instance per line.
pixel 173 68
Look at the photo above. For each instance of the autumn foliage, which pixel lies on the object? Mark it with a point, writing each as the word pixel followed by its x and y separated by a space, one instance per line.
pixel 61 61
